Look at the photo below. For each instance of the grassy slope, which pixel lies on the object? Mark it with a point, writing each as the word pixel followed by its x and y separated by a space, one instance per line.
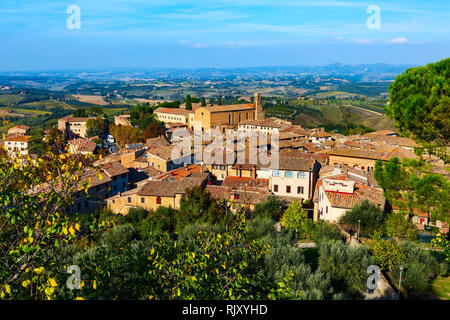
pixel 6 99
pixel 441 288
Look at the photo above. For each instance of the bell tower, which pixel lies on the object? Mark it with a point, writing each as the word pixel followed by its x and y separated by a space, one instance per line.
pixel 259 112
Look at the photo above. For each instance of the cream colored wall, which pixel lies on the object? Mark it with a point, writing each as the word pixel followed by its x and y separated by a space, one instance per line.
pixel 208 120
pixel 333 214
pixel 352 162
pixel 171 118
pixel 122 206
pixel 157 162
pixel 294 182
pixel 19 145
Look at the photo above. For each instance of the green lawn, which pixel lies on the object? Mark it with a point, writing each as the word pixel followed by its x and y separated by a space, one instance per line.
pixel 441 287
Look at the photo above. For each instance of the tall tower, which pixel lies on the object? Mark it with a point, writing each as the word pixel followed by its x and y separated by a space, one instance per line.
pixel 259 112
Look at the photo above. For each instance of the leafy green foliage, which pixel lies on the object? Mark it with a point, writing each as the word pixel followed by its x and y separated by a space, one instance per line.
pixel 295 218
pixel 442 242
pixel 346 266
pixel 33 200
pixel 420 103
pixel 409 185
pixel 271 208
pixel 386 253
pixel 370 215
pixel 420 268
pixel 400 226
pixel 188 102
pixel 198 206
pixel 96 127
pixel 324 232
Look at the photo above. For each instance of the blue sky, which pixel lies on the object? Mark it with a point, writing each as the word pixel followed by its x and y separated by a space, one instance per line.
pixel 219 33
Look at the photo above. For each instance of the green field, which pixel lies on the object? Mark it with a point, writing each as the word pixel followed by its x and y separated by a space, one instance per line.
pixel 47 104
pixel 331 113
pixel 334 93
pixel 280 111
pixel 7 99
pixel 26 111
pixel 441 288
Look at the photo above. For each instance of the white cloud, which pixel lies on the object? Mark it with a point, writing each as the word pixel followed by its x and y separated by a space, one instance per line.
pixel 398 40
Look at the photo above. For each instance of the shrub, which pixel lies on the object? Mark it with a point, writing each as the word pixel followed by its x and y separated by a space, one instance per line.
pixel 368 213
pixel 119 237
pixel 136 215
pixel 161 220
pixel 259 228
pixel 399 226
pixel 420 269
pixel 346 266
pixel 271 208
pixel 325 232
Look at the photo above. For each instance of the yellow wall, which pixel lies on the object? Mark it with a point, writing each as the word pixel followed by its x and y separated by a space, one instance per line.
pixel 157 162
pixel 208 120
pixel 122 206
pixel 352 162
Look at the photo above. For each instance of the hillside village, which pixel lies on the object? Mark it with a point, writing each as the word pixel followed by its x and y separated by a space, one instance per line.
pixel 328 172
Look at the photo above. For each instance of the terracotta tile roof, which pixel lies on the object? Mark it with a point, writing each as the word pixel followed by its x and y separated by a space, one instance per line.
pixel 172 187
pixel 163 152
pixel 183 172
pixel 114 169
pixel 365 154
pixel 94 177
pixel 17 138
pixel 236 182
pixel 157 142
pixel 19 127
pixel 322 134
pixel 159 188
pixel 296 164
pixel 237 196
pixel 363 189
pixel 176 111
pixel 348 201
pixel 236 107
pixel 76 119
pixel 269 122
pixel 83 145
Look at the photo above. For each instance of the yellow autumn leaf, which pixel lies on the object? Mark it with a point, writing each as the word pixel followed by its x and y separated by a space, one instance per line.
pixel 7 289
pixel 100 176
pixel 65 231
pixel 49 291
pixel 79 298
pixel 52 282
pixel 77 227
pixel 94 285
pixel 48 178
pixel 38 270
pixel 25 283
pixel 71 230
pixel 80 164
